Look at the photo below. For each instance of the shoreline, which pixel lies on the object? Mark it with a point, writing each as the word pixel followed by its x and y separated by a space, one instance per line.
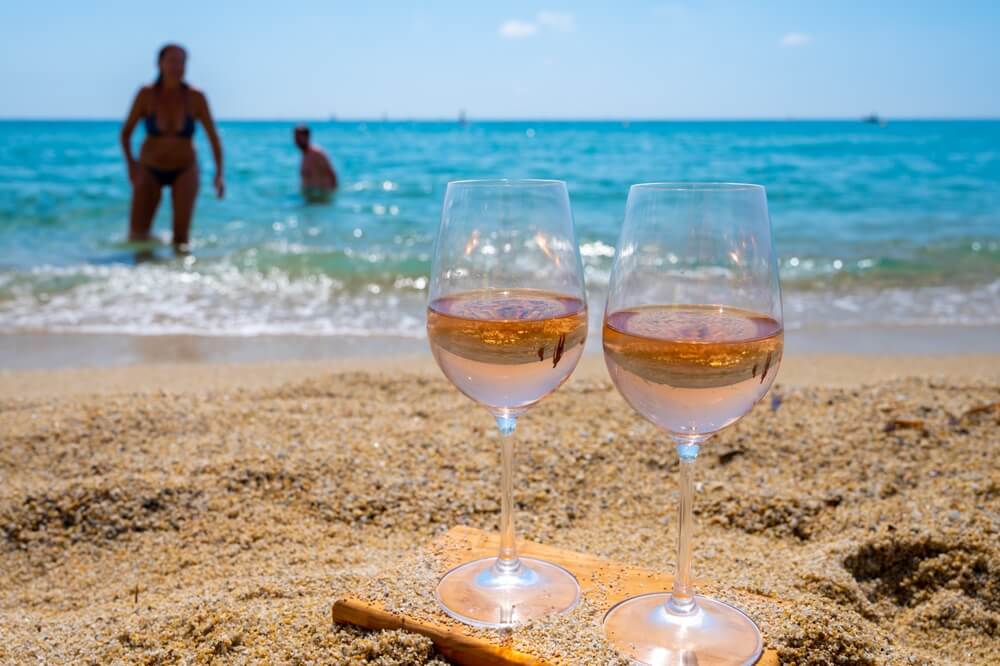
pixel 54 351
pixel 797 370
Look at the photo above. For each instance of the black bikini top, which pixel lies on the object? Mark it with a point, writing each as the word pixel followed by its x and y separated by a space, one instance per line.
pixel 186 132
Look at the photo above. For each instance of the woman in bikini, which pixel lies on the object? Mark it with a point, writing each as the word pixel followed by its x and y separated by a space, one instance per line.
pixel 169 109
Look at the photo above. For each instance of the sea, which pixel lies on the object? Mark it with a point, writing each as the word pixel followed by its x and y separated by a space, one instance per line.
pixel 877 228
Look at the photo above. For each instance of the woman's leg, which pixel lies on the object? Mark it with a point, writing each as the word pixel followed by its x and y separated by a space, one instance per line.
pixel 183 195
pixel 145 200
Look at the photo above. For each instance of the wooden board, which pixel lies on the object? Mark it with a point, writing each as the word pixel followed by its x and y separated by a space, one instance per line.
pixel 602 582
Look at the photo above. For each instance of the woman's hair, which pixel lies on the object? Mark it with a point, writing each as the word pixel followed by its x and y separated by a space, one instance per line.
pixel 161 54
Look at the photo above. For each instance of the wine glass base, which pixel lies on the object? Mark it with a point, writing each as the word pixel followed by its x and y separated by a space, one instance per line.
pixel 475 593
pixel 644 630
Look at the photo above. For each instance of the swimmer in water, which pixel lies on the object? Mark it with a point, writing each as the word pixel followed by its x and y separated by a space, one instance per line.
pixel 319 180
pixel 169 109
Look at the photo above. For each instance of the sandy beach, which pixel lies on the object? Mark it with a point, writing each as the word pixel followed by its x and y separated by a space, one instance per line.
pixel 212 514
pixel 236 247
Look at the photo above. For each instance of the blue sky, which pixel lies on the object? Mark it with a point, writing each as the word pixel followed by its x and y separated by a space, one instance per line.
pixel 547 59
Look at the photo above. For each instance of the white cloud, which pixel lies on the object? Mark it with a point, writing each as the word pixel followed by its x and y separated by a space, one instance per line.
pixel 514 29
pixel 793 39
pixel 546 20
pixel 561 21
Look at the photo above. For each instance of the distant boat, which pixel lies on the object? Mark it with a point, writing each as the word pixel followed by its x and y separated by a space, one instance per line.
pixel 462 120
pixel 874 119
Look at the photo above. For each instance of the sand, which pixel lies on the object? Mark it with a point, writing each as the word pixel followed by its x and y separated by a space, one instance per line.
pixel 211 514
pixel 834 370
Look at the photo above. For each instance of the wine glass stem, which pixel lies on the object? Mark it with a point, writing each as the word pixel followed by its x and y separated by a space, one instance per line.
pixel 507 561
pixel 682 597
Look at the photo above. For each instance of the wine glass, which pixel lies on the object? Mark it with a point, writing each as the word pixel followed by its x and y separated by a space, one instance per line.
pixel 507 322
pixel 693 338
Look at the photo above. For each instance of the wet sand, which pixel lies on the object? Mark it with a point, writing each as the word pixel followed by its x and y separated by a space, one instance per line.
pixel 36 351
pixel 830 370
pixel 211 514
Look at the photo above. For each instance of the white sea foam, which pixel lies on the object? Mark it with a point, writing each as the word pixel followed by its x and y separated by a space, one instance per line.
pixel 226 299
pixel 222 300
pixel 924 306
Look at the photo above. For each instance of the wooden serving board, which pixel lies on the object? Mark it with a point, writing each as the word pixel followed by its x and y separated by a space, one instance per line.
pixel 604 583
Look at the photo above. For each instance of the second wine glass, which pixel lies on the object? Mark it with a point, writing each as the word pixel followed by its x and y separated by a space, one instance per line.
pixel 693 338
pixel 507 323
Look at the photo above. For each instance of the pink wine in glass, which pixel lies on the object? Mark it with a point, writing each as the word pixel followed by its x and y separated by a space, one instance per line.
pixel 692 369
pixel 507 348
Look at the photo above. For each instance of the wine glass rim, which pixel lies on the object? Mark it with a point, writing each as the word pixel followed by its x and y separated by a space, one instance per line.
pixel 698 186
pixel 507 182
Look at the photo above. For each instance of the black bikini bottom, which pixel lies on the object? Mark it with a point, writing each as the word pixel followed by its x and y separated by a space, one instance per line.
pixel 165 177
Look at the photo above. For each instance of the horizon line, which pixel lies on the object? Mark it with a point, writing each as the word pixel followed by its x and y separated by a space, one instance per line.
pixel 543 119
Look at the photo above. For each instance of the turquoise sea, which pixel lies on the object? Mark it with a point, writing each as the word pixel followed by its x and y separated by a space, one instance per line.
pixel 896 225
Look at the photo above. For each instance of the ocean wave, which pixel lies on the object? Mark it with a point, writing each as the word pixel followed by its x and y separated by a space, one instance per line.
pixel 974 257
pixel 232 298
pixel 897 306
pixel 218 299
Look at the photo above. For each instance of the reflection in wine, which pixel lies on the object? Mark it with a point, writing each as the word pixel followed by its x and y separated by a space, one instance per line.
pixel 692 369
pixel 507 349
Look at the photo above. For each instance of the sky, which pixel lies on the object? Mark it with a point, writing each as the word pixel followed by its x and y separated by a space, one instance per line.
pixel 549 59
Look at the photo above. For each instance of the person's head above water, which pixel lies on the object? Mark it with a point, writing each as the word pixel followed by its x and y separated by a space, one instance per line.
pixel 302 136
pixel 171 61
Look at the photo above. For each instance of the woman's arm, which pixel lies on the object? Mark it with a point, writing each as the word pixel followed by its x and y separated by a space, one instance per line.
pixel 138 104
pixel 203 114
